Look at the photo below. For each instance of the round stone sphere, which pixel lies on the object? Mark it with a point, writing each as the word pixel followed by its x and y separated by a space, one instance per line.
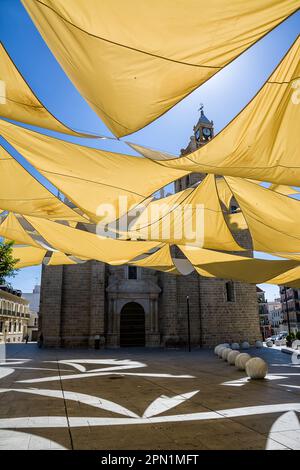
pixel 225 353
pixel 235 346
pixel 245 345
pixel 218 347
pixel 220 351
pixel 241 361
pixel 270 344
pixel 259 344
pixel 232 357
pixel 256 368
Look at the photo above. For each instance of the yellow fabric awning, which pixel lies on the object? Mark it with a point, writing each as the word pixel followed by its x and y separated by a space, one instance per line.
pixel 125 57
pixel 272 218
pixel 88 245
pixel 90 177
pixel 11 229
pixel 282 189
pixel 20 103
pixel 161 260
pixel 238 268
pixel 263 141
pixel 57 258
pixel 22 193
pixel 193 216
pixel 290 278
pixel 28 256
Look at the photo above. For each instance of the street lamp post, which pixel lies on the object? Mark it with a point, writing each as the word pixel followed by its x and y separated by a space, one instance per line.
pixel 188 320
pixel 287 311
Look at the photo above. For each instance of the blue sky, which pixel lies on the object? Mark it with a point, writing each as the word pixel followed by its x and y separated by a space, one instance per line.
pixel 223 96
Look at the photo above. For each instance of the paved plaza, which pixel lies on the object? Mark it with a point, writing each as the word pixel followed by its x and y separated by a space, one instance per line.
pixel 145 399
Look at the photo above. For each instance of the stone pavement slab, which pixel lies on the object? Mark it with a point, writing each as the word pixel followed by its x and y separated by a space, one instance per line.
pixel 145 399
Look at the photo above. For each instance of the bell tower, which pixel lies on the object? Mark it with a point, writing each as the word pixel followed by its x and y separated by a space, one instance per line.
pixel 203 133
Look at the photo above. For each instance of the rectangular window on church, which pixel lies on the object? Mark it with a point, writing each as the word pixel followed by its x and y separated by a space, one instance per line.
pixel 229 286
pixel 132 272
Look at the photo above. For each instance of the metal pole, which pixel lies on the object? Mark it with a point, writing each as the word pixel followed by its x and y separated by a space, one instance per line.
pixel 287 311
pixel 188 319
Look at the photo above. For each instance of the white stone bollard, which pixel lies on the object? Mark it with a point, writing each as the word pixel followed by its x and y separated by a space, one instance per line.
pixel 232 357
pixel 270 344
pixel 259 344
pixel 245 345
pixel 220 351
pixel 256 368
pixel 241 361
pixel 218 347
pixel 225 353
pixel 235 346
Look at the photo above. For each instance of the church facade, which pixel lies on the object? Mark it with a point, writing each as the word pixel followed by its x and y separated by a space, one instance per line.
pixel 97 305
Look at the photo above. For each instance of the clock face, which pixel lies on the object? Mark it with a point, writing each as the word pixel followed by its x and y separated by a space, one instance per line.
pixel 206 131
pixel 197 134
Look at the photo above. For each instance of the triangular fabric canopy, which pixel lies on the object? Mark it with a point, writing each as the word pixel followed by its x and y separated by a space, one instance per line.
pixel 11 229
pixel 88 245
pixel 282 189
pixel 21 104
pixel 224 192
pixel 125 57
pixel 272 218
pixel 290 278
pixel 236 221
pixel 161 260
pixel 20 192
pixel 90 177
pixel 56 258
pixel 28 256
pixel 193 216
pixel 238 268
pixel 150 153
pixel 263 141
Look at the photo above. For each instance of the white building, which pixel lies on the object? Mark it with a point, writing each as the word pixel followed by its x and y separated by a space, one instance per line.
pixel 275 316
pixel 14 316
pixel 34 306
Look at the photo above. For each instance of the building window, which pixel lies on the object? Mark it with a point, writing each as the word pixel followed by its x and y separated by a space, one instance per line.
pixel 132 272
pixel 229 286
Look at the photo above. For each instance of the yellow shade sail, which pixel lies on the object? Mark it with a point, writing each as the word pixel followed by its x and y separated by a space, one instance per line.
pixel 236 221
pixel 238 268
pixel 11 229
pixel 19 101
pixel 88 245
pixel 56 258
pixel 290 278
pixel 22 193
pixel 28 256
pixel 161 260
pixel 193 216
pixel 263 141
pixel 90 178
pixel 282 189
pixel 125 57
pixel 272 218
pixel 224 193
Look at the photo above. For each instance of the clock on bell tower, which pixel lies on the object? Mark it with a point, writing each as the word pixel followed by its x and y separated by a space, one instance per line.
pixel 203 130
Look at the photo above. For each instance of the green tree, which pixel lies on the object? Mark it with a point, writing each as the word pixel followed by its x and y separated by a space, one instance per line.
pixel 7 261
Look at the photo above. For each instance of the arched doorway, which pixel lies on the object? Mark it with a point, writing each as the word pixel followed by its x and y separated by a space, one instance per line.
pixel 132 325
